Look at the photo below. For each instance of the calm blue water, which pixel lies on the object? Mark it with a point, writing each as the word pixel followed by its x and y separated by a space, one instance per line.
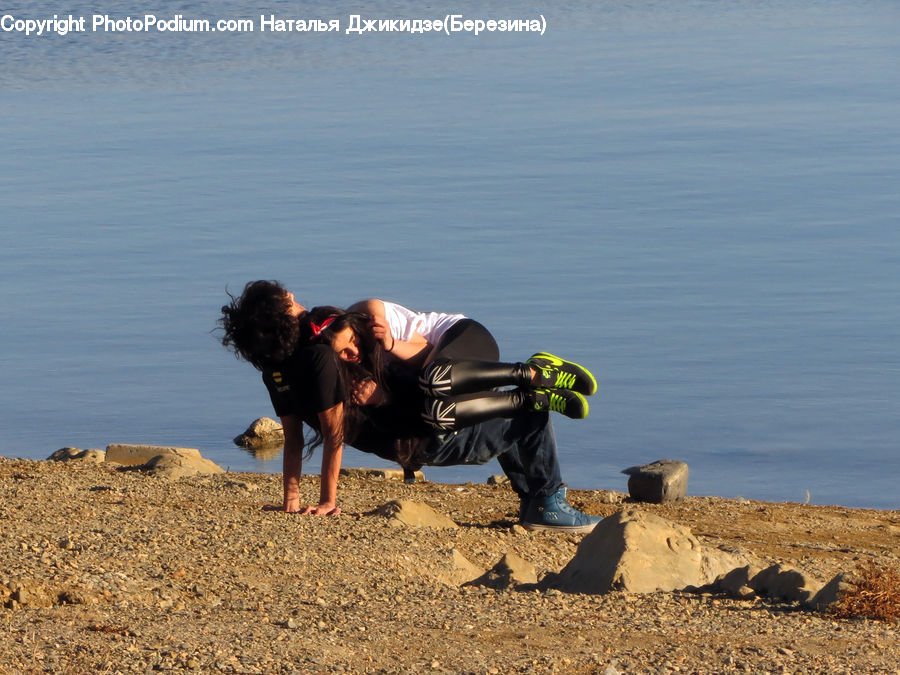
pixel 698 200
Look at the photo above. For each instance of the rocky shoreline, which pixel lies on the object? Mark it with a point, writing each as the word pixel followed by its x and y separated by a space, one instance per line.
pixel 129 569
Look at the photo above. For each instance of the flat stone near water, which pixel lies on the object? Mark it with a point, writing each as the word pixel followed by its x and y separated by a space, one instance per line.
pixel 135 454
pixel 662 481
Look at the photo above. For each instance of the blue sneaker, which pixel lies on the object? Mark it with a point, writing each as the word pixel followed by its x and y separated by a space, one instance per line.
pixel 556 373
pixel 555 513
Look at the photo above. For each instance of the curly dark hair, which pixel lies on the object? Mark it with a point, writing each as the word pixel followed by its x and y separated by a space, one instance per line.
pixel 258 325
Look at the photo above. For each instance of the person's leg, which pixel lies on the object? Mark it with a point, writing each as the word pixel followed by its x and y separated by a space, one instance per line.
pixel 457 412
pixel 445 377
pixel 545 506
pixel 525 447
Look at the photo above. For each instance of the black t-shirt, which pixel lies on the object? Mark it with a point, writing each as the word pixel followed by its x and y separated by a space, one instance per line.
pixel 309 382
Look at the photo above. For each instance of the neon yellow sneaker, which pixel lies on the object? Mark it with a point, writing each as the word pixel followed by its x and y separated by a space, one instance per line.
pixel 566 402
pixel 557 373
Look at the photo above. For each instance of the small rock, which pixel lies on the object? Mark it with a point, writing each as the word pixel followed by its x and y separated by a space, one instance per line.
pixel 30 593
pixel 662 481
pixel 414 514
pixel 92 456
pixel 65 454
pixel 511 571
pixel 780 582
pixel 745 593
pixel 241 484
pixel 459 570
pixel 833 591
pixel 262 432
pixel 386 474
pixel 735 583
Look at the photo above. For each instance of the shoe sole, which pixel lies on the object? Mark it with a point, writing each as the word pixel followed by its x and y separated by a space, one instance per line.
pixel 556 361
pixel 534 527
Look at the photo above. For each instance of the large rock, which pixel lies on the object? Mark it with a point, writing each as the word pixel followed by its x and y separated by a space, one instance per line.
pixel 662 481
pixel 131 454
pixel 173 466
pixel 414 514
pixel 642 553
pixel 262 433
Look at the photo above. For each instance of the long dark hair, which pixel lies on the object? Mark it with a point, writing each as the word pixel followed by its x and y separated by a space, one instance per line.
pixel 371 351
pixel 371 366
pixel 322 324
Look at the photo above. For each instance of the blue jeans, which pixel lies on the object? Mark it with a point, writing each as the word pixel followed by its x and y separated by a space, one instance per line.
pixel 525 447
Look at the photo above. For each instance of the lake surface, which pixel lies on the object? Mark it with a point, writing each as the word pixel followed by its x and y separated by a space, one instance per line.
pixel 697 200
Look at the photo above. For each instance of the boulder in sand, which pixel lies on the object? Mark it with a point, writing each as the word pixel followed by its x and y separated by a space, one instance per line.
pixel 642 553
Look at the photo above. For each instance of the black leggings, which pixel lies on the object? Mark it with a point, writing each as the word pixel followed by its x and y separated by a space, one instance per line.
pixel 467 340
pixel 461 380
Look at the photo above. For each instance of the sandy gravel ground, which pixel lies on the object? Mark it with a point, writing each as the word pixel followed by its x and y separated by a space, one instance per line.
pixel 110 570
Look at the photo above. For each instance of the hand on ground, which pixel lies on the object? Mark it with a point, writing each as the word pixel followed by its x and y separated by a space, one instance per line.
pixel 321 510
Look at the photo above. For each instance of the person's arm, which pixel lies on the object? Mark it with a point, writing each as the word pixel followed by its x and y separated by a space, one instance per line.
pixel 404 350
pixel 331 422
pixel 292 462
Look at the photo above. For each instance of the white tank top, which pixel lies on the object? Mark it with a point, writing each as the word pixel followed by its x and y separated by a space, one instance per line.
pixel 404 322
